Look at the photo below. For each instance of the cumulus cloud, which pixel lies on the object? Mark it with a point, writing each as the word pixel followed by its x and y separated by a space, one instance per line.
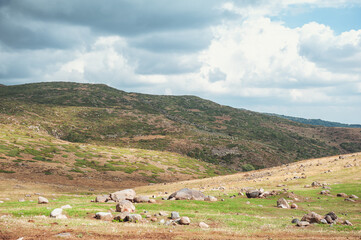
pixel 233 52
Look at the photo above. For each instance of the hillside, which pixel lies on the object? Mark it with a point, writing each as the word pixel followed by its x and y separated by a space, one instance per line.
pixel 188 125
pixel 317 122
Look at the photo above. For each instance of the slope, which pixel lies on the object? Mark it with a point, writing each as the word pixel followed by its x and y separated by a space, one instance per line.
pixel 237 139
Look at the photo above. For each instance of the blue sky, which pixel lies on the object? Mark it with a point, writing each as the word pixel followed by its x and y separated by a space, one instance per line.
pixel 292 57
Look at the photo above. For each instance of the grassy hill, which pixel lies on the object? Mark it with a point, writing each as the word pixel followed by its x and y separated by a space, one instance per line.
pixel 188 125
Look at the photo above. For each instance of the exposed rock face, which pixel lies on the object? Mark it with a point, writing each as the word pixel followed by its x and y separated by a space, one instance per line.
pixel 42 200
pixel 187 194
pixel 125 206
pixel 127 194
pixel 102 198
pixel 312 217
pixel 105 216
pixel 184 221
pixel 282 203
pixel 140 199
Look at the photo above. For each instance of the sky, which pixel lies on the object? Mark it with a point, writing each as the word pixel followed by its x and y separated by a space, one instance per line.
pixel 293 57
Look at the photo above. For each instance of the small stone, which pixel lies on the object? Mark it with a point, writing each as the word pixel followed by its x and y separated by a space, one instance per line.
pixel 66 235
pixel 21 200
pixel 294 206
pixel 302 224
pixel 153 219
pixel 295 220
pixel 248 202
pixel 42 200
pixel 57 213
pixel 282 203
pixel 66 207
pixel 174 215
pixel 152 201
pixel 161 213
pixel 210 199
pixel 184 221
pixel 102 198
pixel 162 221
pixel 342 195
pixel 323 221
pixel 347 222
pixel 105 216
pixel 203 225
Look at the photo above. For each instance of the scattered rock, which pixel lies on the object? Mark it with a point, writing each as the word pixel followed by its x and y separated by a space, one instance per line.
pixel 211 199
pixel 153 219
pixel 152 201
pixel 295 220
pixel 127 194
pixel 133 218
pixel 66 207
pixel 187 194
pixel 316 184
pixel 302 224
pixel 105 216
pixel 42 200
pixel 323 221
pixel 253 193
pixel 349 200
pixel 163 214
pixel 342 195
pixel 282 203
pixel 328 219
pixel 325 192
pixel 312 217
pixel 121 216
pixel 125 206
pixel 347 222
pixel 184 221
pixel 57 213
pixel 141 199
pixel 174 215
pixel 102 198
pixel 21 200
pixel 203 225
pixel 65 234
pixel 294 206
pixel 353 196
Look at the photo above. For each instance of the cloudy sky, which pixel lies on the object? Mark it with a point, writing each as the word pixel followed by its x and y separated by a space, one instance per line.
pixel 294 57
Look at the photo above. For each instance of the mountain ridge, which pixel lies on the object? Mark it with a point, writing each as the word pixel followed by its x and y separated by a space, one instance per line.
pixel 189 125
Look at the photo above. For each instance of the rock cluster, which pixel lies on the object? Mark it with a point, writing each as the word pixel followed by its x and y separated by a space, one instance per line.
pixel 312 217
pixel 127 194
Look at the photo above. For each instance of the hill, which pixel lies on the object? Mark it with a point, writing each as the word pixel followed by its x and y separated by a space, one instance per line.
pixel 317 122
pixel 188 125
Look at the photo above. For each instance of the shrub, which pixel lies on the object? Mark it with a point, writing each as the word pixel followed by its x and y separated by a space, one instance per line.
pixel 248 167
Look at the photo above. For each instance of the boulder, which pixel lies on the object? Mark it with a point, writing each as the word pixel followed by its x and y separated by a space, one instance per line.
pixel 302 224
pixel 294 206
pixel 325 192
pixel 184 221
pixel 102 198
pixel 312 217
pixel 253 193
pixel 332 215
pixel 203 225
pixel 187 194
pixel 133 218
pixel 295 220
pixel 163 214
pixel 316 184
pixel 282 203
pixel 121 216
pixel 141 199
pixel 105 216
pixel 125 206
pixel 342 195
pixel 42 200
pixel 328 219
pixel 211 199
pixel 323 221
pixel 57 213
pixel 174 215
pixel 349 200
pixel 127 194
